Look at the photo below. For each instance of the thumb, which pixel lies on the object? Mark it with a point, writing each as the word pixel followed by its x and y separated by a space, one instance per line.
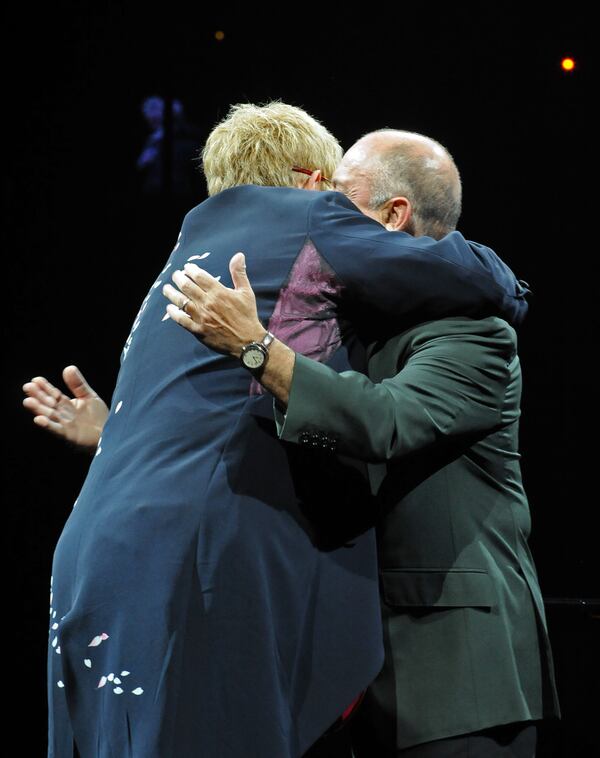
pixel 237 268
pixel 76 382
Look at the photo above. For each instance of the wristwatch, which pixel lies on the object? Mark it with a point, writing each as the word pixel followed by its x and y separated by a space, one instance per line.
pixel 255 354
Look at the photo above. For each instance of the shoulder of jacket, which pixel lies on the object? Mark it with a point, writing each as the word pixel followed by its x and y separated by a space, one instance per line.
pixel 487 334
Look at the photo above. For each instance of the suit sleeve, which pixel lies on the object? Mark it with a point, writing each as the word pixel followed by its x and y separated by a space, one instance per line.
pixel 452 385
pixel 407 279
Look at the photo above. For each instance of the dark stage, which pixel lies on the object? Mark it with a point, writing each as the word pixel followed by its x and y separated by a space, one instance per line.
pixel 83 238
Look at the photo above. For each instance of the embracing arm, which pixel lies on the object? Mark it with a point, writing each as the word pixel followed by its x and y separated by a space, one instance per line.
pixel 409 280
pixel 452 384
pixel 454 373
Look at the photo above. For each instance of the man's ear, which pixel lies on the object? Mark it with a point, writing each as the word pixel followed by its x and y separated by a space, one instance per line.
pixel 311 182
pixel 397 215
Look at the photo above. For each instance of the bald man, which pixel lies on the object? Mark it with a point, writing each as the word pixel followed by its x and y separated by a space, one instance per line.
pixel 468 667
pixel 406 181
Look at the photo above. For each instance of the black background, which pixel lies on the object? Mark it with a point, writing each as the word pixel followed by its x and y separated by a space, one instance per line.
pixel 82 245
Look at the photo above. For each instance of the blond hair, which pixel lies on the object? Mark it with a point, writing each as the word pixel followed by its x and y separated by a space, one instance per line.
pixel 259 144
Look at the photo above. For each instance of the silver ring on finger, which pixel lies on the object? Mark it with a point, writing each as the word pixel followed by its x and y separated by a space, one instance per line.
pixel 183 307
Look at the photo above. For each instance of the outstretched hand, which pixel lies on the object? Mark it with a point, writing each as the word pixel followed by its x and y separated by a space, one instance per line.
pixel 78 419
pixel 224 319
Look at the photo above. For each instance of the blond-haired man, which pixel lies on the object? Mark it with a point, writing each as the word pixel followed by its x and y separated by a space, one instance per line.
pixel 197 607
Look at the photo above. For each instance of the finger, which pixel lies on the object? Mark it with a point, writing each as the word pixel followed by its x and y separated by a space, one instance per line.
pixel 179 299
pixel 237 268
pixel 181 318
pixel 76 382
pixel 37 391
pixel 51 426
pixel 188 287
pixel 33 389
pixel 40 409
pixel 42 385
pixel 202 278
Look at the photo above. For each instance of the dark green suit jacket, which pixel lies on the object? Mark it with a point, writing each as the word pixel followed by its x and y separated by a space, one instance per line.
pixel 465 631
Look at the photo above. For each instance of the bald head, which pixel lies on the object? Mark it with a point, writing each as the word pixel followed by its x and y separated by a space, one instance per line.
pixel 395 164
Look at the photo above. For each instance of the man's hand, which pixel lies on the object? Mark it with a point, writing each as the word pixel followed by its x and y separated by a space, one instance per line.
pixel 224 319
pixel 79 419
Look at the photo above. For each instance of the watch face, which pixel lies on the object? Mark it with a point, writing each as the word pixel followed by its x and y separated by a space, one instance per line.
pixel 253 358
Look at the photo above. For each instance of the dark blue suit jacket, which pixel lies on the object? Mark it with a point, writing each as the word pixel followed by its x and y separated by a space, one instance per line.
pixel 196 609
